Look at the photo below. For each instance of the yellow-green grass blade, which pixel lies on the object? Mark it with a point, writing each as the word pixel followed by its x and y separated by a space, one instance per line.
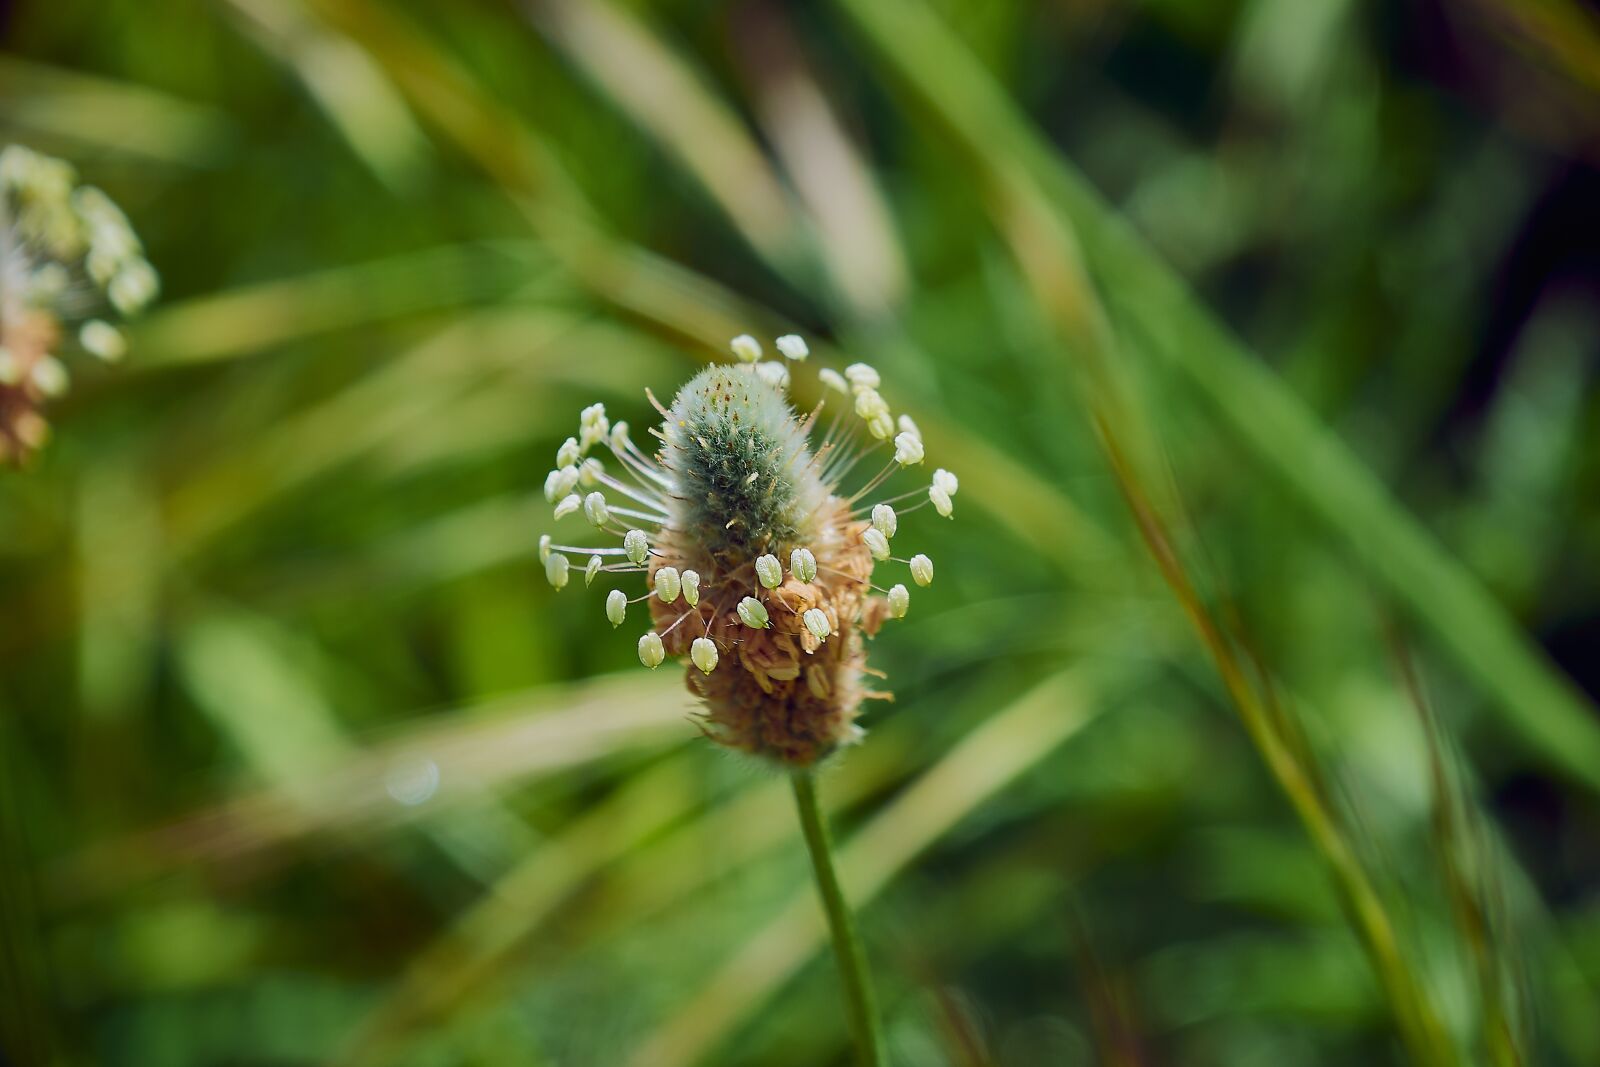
pixel 1160 316
pixel 1015 739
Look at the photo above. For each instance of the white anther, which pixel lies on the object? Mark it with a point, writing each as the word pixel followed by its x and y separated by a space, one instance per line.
pixel 746 348
pixel 103 340
pixel 636 546
pixel 568 504
pixel 704 654
pixel 592 569
pixel 559 482
pixel 884 519
pixel 870 404
pixel 568 454
pixel 619 436
pixel 135 285
pixel 774 374
pixel 616 607
pixel 833 380
pixel 555 569
pixel 907 426
pixel 691 588
pixel 881 426
pixel 921 569
pixel 593 426
pixel 49 376
pixel 943 479
pixel 544 547
pixel 862 376
pixel 651 652
pixel 817 623
pixel 907 449
pixel 589 472
pixel 595 510
pixel 899 601
pixel 793 346
pixel 769 571
pixel 941 501
pixel 668 584
pixel 753 613
pixel 876 543
pixel 802 564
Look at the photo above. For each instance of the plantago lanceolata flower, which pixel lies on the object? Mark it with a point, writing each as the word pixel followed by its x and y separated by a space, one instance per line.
pixel 65 251
pixel 736 487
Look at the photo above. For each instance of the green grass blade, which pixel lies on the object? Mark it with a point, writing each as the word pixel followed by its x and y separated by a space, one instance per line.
pixel 1306 459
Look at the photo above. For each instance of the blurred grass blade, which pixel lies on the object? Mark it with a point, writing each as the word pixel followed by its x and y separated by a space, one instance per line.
pixel 1012 741
pixel 1048 253
pixel 481 939
pixel 376 409
pixel 1307 460
pixel 622 831
pixel 679 302
pixel 1471 876
pixel 350 89
pixel 265 315
pixel 666 97
pixel 319 781
pixel 112 115
pixel 854 224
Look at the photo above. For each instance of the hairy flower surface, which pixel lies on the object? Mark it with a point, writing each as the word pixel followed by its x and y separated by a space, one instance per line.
pixel 755 558
pixel 65 250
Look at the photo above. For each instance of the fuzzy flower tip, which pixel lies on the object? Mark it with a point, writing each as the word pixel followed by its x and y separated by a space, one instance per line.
pixel 738 486
pixel 69 262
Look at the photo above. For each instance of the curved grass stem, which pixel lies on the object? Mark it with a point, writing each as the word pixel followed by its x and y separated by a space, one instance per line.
pixel 856 981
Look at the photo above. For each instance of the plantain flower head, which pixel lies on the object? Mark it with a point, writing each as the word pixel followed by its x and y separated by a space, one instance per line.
pixel 755 533
pixel 67 254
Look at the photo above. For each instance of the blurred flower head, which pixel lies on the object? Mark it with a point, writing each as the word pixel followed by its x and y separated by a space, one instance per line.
pixel 758 562
pixel 67 253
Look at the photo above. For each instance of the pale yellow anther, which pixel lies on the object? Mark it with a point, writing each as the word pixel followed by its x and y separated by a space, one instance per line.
pixel 668 584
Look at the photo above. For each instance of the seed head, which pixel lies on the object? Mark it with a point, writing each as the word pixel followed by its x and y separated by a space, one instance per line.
pixel 737 487
pixel 66 251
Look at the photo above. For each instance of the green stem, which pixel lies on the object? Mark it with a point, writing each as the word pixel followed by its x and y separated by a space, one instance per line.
pixel 858 998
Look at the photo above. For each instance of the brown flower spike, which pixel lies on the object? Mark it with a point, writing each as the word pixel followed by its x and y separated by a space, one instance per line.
pixel 758 562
